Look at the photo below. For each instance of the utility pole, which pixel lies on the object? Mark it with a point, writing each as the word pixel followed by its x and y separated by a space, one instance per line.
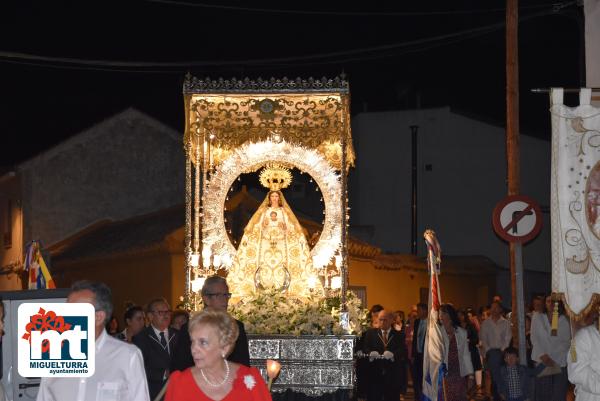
pixel 513 168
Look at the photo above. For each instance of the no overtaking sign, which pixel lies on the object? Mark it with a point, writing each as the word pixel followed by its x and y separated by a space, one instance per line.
pixel 517 218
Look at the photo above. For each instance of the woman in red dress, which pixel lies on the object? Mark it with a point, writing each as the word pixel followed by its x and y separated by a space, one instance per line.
pixel 213 334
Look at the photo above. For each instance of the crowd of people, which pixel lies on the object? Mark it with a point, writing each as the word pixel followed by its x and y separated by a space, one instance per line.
pixel 481 360
pixel 165 355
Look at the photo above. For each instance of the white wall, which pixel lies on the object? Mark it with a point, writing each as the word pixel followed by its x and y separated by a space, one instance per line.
pixel 455 198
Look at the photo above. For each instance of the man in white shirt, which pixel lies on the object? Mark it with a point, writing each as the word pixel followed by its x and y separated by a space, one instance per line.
pixel 551 350
pixel 495 336
pixel 119 373
pixel 584 369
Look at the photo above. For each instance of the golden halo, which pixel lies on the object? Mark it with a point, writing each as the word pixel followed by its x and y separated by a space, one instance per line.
pixel 275 177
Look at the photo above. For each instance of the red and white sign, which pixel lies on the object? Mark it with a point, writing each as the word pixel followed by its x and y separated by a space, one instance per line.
pixel 517 218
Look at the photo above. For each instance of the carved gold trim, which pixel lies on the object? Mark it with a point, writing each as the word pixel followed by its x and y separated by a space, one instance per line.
pixel 313 120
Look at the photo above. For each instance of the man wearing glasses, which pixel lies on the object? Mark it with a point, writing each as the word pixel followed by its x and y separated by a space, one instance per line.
pixel 215 294
pixel 157 343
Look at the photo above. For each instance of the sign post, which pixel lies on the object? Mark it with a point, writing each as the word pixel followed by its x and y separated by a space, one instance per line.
pixel 518 219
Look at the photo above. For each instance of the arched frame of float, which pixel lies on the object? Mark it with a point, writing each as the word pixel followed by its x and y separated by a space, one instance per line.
pixel 230 125
pixel 251 157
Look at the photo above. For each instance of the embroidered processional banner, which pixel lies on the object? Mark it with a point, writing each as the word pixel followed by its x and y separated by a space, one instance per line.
pixel 575 202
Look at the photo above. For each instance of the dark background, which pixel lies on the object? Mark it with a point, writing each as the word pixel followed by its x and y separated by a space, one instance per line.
pixel 57 75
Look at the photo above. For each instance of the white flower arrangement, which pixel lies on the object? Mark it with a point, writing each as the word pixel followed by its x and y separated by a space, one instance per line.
pixel 249 382
pixel 276 313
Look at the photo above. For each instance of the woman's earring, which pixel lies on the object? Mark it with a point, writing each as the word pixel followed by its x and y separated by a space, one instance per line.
pixel 223 355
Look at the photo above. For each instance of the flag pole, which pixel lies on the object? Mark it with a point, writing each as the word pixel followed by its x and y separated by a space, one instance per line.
pixel 434 386
pixel 444 389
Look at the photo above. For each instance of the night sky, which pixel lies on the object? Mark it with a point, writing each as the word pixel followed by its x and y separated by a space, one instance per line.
pixel 58 74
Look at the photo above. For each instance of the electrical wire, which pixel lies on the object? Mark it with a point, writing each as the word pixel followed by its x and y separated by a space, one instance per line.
pixel 344 13
pixel 318 58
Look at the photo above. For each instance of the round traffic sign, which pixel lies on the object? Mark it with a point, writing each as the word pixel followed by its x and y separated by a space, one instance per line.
pixel 517 218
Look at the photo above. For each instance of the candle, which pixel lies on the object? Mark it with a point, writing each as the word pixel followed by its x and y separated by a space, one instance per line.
pixel 273 368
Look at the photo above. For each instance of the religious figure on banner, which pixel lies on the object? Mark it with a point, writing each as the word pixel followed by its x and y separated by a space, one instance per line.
pixel 593 200
pixel 273 253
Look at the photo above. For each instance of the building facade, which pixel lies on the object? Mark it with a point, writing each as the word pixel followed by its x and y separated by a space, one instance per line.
pixel 124 166
pixel 11 232
pixel 461 176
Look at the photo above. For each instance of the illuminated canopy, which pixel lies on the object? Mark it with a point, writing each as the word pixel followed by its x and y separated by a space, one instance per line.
pixel 310 113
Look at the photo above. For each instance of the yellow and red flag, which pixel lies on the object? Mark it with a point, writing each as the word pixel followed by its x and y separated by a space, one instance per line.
pixel 38 273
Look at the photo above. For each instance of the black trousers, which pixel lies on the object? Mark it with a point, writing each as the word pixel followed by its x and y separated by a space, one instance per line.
pixel 417 375
pixel 493 361
pixel 383 381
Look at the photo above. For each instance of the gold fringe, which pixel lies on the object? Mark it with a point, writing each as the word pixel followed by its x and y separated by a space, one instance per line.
pixel 594 302
pixel 554 320
pixel 573 350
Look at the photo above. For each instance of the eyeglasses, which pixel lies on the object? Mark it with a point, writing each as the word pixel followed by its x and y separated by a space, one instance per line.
pixel 161 312
pixel 225 295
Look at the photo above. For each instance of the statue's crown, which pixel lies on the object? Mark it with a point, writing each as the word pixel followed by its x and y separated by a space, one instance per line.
pixel 275 177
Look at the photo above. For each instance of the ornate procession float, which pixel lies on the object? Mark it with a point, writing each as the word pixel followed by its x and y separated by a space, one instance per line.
pixel 290 292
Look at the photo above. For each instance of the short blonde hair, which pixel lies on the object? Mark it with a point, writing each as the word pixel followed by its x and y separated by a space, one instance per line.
pixel 226 326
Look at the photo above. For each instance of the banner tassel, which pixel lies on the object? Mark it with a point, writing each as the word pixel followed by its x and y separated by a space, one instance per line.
pixel 554 331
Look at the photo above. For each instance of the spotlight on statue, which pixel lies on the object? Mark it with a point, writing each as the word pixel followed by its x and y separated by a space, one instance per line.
pixel 194 259
pixel 197 283
pixel 336 282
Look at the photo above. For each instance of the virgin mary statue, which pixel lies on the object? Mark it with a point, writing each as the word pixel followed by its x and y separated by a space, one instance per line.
pixel 273 253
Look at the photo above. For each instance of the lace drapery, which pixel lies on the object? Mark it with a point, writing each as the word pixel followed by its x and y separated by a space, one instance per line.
pixel 575 202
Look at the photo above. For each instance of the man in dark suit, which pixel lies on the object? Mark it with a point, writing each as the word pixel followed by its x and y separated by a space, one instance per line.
pixel 157 343
pixel 362 364
pixel 215 294
pixel 418 347
pixel 386 349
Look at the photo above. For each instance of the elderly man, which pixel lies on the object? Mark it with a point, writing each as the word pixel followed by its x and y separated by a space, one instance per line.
pixel 157 342
pixel 119 373
pixel 386 349
pixel 215 294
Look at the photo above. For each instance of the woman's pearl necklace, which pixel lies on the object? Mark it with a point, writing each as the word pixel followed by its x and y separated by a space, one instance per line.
pixel 224 379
